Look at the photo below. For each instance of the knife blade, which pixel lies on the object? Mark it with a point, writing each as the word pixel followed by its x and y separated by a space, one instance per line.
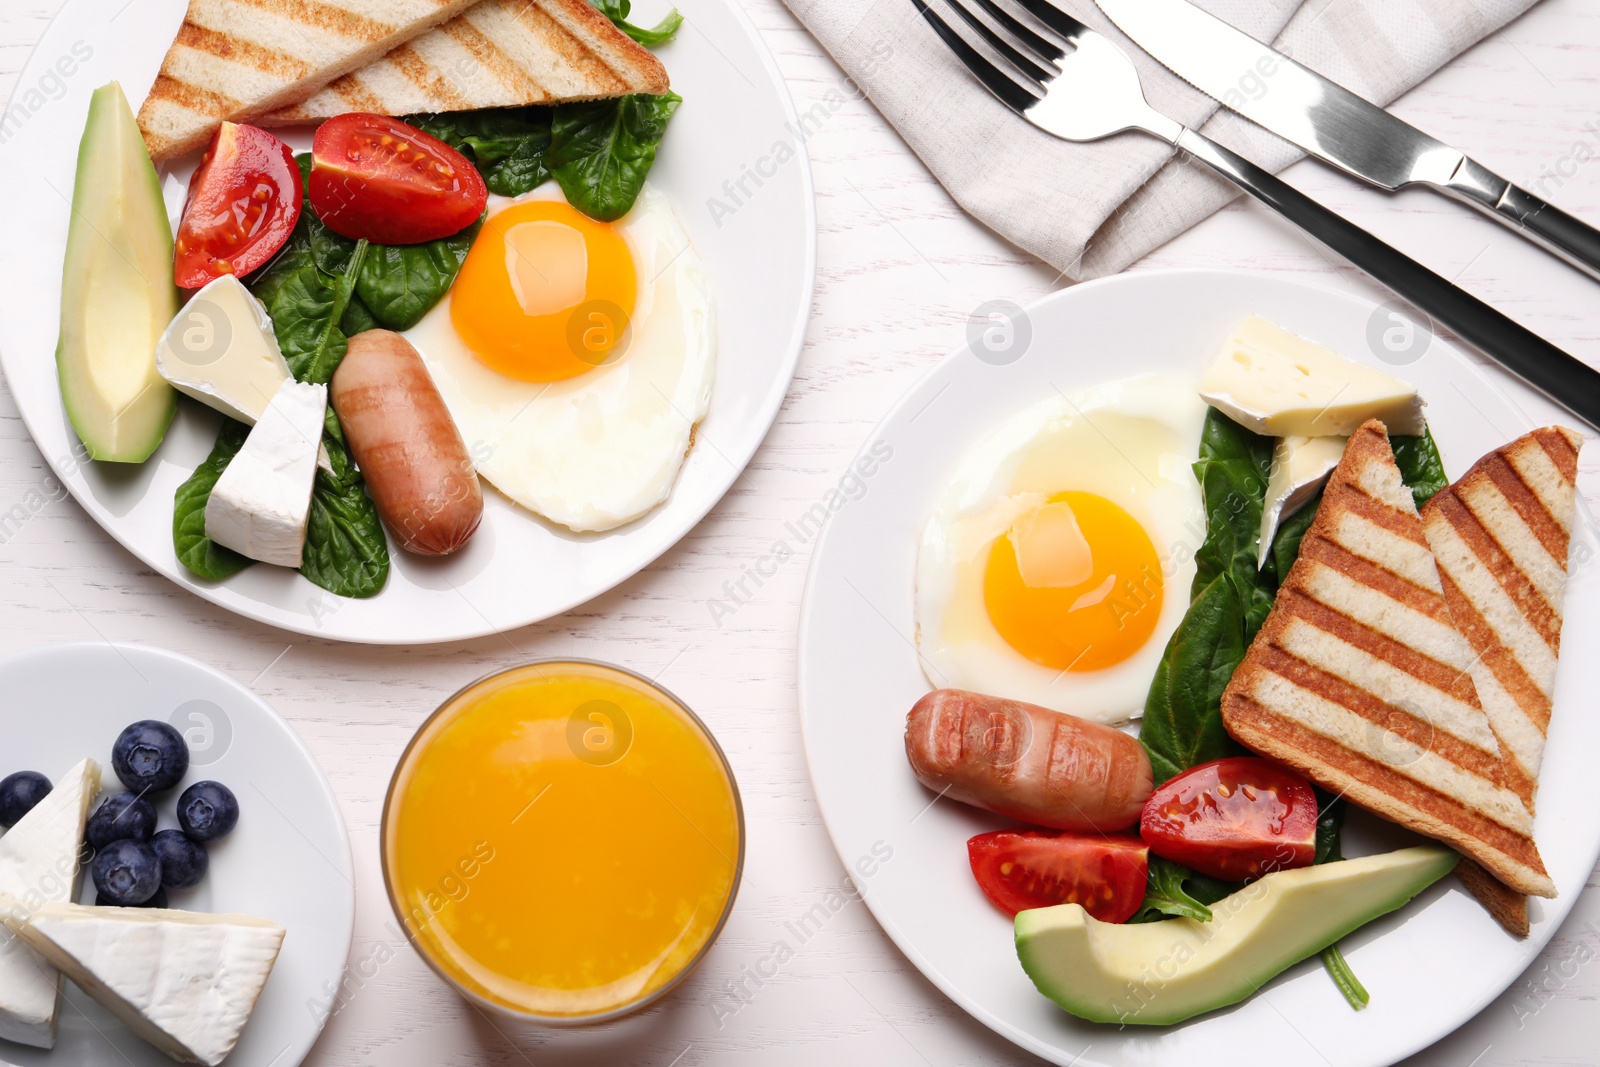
pixel 1335 125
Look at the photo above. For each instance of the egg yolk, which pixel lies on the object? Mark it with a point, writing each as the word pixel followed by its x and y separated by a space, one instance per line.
pixel 1074 585
pixel 546 293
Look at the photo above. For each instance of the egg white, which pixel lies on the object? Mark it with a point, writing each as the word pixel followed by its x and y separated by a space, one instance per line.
pixel 1131 442
pixel 601 449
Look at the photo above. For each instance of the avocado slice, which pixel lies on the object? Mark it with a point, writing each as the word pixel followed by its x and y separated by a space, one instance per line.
pixel 117 293
pixel 1164 972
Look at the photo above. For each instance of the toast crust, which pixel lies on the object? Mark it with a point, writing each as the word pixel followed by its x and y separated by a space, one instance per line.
pixel 1360 679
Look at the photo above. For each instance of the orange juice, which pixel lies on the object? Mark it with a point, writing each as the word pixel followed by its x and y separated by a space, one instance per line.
pixel 562 840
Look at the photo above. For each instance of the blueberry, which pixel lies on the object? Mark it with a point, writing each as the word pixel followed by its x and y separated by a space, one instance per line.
pixel 126 873
pixel 183 859
pixel 121 817
pixel 150 757
pixel 19 793
pixel 157 901
pixel 208 811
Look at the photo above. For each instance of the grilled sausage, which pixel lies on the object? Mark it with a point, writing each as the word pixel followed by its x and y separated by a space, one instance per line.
pixel 1027 762
pixel 410 452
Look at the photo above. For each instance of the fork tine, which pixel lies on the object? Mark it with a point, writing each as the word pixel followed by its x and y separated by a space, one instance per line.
pixel 1040 45
pixel 1052 16
pixel 1010 93
pixel 1027 66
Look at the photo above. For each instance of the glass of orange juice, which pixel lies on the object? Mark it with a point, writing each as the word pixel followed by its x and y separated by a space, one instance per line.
pixel 562 841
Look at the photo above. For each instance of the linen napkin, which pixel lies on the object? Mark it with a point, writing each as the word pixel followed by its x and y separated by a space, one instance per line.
pixel 1092 209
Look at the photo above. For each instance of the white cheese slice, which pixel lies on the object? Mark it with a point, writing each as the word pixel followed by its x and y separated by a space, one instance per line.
pixel 1300 466
pixel 39 867
pixel 220 349
pixel 184 981
pixel 261 503
pixel 1272 382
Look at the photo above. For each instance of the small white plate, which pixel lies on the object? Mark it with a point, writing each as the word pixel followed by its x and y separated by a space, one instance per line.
pixel 734 165
pixel 288 860
pixel 1429 967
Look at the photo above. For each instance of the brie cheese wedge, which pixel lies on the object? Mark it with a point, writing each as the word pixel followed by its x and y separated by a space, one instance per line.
pixel 38 867
pixel 1274 383
pixel 1300 466
pixel 262 502
pixel 221 350
pixel 184 981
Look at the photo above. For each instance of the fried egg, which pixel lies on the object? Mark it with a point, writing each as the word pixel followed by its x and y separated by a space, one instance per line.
pixel 1058 555
pixel 576 356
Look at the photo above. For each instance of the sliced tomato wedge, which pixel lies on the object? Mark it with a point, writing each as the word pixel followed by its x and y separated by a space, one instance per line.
pixel 375 177
pixel 244 200
pixel 1022 869
pixel 1233 819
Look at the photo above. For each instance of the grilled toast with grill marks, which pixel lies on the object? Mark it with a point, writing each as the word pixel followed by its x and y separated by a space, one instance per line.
pixel 1500 535
pixel 499 53
pixel 237 60
pixel 1360 680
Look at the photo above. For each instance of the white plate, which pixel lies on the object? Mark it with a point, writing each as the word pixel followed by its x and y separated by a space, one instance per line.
pixel 288 860
pixel 1429 967
pixel 758 245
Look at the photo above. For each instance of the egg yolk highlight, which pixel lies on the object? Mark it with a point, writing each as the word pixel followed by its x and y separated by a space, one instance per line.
pixel 546 293
pixel 1075 584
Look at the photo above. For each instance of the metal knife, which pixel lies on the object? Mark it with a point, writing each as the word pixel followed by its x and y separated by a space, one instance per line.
pixel 1336 125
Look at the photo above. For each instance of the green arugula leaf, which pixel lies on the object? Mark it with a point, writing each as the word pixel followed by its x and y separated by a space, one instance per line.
pixel 195 550
pixel 601 151
pixel 662 32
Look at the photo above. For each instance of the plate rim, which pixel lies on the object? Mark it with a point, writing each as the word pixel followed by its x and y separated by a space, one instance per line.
pixel 764 416
pixel 347 915
pixel 901 940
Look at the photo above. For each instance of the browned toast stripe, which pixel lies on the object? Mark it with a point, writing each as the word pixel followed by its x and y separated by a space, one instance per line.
pixel 1403 735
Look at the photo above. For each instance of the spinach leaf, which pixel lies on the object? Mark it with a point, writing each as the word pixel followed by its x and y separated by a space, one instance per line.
pixel 397 284
pixel 1175 890
pixel 1183 714
pixel 357 317
pixel 195 550
pixel 345 552
pixel 1286 542
pixel 507 145
pixel 660 33
pixel 1420 465
pixel 1330 817
pixel 601 151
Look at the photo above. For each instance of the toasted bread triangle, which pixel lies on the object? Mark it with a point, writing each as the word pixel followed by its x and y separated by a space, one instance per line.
pixel 499 53
pixel 1360 680
pixel 1500 534
pixel 238 60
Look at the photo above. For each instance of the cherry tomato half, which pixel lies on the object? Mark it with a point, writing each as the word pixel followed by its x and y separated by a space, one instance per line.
pixel 244 200
pixel 1022 869
pixel 1233 819
pixel 377 178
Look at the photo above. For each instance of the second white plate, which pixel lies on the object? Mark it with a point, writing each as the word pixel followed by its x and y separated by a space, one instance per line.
pixel 288 860
pixel 1429 967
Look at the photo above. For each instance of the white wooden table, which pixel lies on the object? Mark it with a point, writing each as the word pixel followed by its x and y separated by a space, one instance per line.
pixel 900 268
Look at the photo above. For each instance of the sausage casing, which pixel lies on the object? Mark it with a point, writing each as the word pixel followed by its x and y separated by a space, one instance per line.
pixel 408 448
pixel 1027 762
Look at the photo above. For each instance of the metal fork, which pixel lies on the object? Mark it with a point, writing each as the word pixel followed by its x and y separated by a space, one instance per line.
pixel 1073 83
